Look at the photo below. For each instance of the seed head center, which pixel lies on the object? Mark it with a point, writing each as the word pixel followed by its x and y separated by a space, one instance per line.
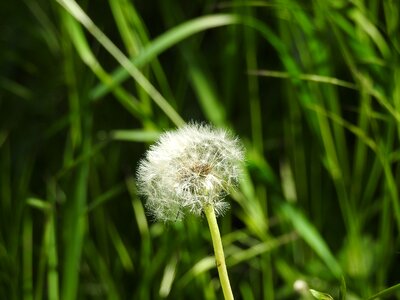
pixel 201 169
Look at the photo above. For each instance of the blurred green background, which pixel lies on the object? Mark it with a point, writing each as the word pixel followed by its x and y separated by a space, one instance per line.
pixel 310 87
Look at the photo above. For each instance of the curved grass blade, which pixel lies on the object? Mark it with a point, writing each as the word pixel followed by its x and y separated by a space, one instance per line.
pixel 310 234
pixel 386 292
pixel 76 11
pixel 166 41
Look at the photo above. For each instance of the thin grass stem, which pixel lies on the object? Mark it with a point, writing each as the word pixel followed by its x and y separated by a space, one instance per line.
pixel 76 11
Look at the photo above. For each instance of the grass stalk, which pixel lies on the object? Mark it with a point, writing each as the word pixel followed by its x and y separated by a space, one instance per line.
pixel 75 10
pixel 27 283
pixel 219 252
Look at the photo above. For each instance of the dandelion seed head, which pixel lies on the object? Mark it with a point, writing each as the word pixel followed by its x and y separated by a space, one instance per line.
pixel 188 168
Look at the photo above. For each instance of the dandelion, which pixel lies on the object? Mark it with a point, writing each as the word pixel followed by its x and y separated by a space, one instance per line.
pixel 191 170
pixel 188 169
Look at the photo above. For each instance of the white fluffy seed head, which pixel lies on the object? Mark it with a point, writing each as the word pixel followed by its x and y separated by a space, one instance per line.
pixel 188 168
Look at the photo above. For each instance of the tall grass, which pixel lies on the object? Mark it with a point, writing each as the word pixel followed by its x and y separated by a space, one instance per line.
pixel 312 89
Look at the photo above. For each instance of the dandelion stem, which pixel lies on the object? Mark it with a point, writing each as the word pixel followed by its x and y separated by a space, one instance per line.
pixel 219 252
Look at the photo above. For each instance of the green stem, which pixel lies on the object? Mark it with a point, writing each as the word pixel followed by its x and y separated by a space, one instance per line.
pixel 219 252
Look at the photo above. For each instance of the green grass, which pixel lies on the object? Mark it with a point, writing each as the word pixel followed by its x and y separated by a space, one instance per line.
pixel 311 87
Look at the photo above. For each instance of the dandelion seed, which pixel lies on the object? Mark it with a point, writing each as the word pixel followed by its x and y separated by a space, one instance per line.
pixel 189 168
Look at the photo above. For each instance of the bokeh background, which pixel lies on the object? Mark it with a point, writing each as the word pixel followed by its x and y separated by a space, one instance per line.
pixel 310 87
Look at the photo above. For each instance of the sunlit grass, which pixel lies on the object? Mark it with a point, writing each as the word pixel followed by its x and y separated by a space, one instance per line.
pixel 311 87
